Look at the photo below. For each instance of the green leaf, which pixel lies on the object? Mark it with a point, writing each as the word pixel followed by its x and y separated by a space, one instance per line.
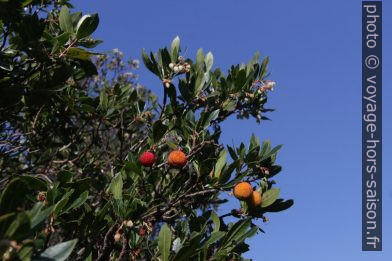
pixel 254 143
pixel 235 180
pixel 269 197
pixel 226 173
pixel 103 100
pixel 89 258
pixel 13 195
pixel 164 242
pixel 279 205
pixel 151 64
pixel 189 248
pixel 118 207
pixel 220 163
pixel 175 48
pixel 216 221
pixel 19 228
pixel 116 186
pixel 209 60
pixel 251 64
pixel 200 82
pixel 34 183
pixel 200 59
pixel 211 117
pixel 79 53
pixel 272 152
pixel 78 202
pixel 40 216
pixel 60 41
pixel 64 176
pixel 87 25
pixel 24 254
pixel 266 147
pixel 233 155
pixel 229 105
pixel 239 238
pixel 159 130
pixel 264 67
pixel 58 252
pixel 215 236
pixel 65 20
pixel 88 42
pixel 63 202
pixel 237 230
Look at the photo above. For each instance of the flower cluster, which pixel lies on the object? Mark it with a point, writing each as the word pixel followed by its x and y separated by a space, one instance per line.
pixel 181 66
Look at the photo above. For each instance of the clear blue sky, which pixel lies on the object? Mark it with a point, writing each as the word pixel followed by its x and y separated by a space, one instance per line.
pixel 315 51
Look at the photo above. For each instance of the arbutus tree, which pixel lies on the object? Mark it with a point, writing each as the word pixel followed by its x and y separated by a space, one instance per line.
pixel 93 167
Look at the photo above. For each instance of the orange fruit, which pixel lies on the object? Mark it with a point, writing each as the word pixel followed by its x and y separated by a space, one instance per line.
pixel 177 158
pixel 243 190
pixel 255 199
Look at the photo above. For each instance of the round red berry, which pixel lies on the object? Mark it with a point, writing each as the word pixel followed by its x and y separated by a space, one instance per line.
pixel 147 159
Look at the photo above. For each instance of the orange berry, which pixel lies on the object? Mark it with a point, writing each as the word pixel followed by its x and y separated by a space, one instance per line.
pixel 243 190
pixel 177 158
pixel 255 199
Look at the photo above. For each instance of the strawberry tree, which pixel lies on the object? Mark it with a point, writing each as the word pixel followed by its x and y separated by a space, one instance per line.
pixel 95 167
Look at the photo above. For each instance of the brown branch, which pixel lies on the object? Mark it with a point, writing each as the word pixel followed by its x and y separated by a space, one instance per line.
pixel 107 244
pixel 124 248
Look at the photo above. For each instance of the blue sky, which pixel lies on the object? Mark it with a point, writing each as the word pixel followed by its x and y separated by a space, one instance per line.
pixel 315 52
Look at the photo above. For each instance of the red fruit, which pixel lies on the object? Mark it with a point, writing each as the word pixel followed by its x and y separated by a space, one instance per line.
pixel 147 159
pixel 142 231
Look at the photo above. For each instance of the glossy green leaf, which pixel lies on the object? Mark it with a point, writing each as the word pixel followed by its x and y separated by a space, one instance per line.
pixel 215 236
pixel 40 216
pixel 200 59
pixel 65 20
pixel 159 130
pixel 269 197
pixel 211 117
pixel 175 47
pixel 58 252
pixel 87 25
pixel 220 164
pixel 164 242
pixel 116 186
pixel 79 53
pixel 209 61
pixel 216 221
pixel 78 202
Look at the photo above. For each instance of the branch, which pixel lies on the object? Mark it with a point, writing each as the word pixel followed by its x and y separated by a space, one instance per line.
pixel 107 243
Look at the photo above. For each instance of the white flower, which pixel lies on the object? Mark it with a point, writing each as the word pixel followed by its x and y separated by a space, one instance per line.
pixel 171 65
pixel 269 85
pixel 177 245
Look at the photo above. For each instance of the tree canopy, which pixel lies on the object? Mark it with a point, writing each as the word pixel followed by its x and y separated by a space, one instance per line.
pixel 95 167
